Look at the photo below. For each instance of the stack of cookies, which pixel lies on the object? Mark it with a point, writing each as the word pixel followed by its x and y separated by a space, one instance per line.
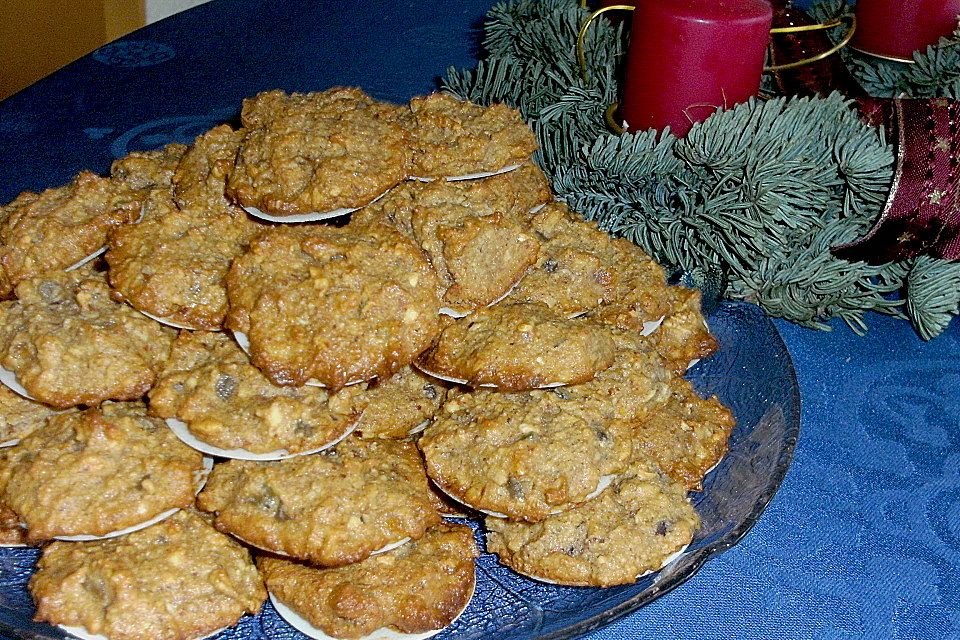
pixel 460 346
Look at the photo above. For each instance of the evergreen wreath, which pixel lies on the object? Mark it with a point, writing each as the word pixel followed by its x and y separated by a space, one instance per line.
pixel 748 204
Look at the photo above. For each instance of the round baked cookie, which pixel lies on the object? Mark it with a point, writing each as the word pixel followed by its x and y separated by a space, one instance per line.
pixel 512 194
pixel 519 347
pixel 317 152
pixel 210 385
pixel 419 587
pixel 577 267
pixel 20 417
pixel 176 580
pixel 55 229
pixel 336 305
pixel 634 527
pixel 395 407
pixel 478 258
pixel 141 170
pixel 201 176
pixel 98 471
pixel 687 436
pixel 452 137
pixel 524 455
pixel 331 508
pixel 684 336
pixel 474 232
pixel 70 343
pixel 635 386
pixel 173 264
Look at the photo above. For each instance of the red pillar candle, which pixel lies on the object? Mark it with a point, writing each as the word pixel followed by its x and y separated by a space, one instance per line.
pixel 897 28
pixel 687 58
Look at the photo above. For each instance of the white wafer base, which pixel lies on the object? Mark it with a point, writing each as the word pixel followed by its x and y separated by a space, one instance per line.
pixel 244 343
pixel 313 216
pixel 200 477
pixel 666 561
pixel 470 176
pixel 180 430
pixel 9 378
pixel 93 256
pixel 83 634
pixel 299 623
pixel 171 323
pixel 605 481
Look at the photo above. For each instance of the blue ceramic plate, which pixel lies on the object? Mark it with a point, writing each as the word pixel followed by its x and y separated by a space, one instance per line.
pixel 752 373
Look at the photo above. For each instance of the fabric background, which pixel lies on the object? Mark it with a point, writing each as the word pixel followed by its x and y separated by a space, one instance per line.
pixel 863 539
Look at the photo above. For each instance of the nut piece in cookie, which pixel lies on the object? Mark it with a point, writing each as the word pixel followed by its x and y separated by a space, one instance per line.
pixel 20 417
pixel 398 406
pixel 317 152
pixel 176 580
pixel 525 455
pixel 453 138
pixel 331 508
pixel 336 305
pixel 173 264
pixel 687 436
pixel 520 347
pixel 422 586
pixel 59 227
pixel 69 343
pixel 210 385
pixel 98 471
pixel 634 527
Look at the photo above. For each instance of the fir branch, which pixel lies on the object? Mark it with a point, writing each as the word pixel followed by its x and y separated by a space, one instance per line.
pixel 934 74
pixel 933 288
pixel 755 195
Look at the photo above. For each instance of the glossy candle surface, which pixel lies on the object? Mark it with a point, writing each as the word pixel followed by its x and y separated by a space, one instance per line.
pixel 687 58
pixel 897 28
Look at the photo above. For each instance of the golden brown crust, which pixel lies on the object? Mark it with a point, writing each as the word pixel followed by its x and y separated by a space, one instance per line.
pixel 687 436
pixel 337 305
pixel 577 268
pixel 173 264
pixel 12 530
pixel 99 471
pixel 523 455
pixel 144 170
pixel 632 528
pixel 422 586
pixel 474 232
pixel 210 385
pixel 684 336
pixel 20 417
pixel 59 227
pixel 395 406
pixel 69 343
pixel 520 347
pixel 317 152
pixel 452 137
pixel 201 176
pixel 332 508
pixel 176 580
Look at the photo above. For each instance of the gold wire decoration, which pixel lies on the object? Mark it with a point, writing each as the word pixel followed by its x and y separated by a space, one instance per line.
pixel 836 22
pixel 582 36
pixel 610 113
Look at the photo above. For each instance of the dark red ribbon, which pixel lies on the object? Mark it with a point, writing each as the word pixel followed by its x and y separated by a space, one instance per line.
pixel 922 213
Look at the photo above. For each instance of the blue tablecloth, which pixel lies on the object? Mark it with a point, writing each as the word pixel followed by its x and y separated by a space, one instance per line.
pixel 863 539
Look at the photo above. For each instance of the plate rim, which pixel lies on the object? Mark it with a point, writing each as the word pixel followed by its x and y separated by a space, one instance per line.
pixel 731 539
